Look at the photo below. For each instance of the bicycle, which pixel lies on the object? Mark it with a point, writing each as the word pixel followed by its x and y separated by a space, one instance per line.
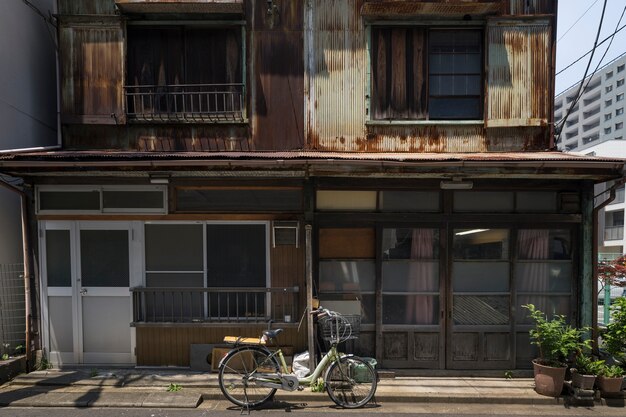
pixel 250 374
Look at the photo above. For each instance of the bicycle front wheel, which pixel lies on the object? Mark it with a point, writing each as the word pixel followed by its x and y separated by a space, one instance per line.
pixel 237 376
pixel 351 382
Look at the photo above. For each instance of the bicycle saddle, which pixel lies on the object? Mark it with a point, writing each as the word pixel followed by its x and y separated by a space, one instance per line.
pixel 272 334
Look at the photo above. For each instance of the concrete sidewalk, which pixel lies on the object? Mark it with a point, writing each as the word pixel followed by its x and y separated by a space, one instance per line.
pixel 149 388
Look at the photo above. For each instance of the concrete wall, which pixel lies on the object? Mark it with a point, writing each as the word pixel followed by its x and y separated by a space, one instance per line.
pixel 27 99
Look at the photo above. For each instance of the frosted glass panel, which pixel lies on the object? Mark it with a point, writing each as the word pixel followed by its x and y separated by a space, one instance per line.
pixel 411 276
pixel 58 262
pixel 480 276
pixel 535 201
pixel 481 243
pixel 346 200
pixel 550 305
pixel 69 200
pixel 61 333
pixel 104 258
pixel 132 199
pixel 347 276
pixel 543 276
pixel 110 332
pixel 174 247
pixel 409 201
pixel 410 309
pixel 483 201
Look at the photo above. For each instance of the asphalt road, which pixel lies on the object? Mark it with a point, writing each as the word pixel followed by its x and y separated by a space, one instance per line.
pixel 223 409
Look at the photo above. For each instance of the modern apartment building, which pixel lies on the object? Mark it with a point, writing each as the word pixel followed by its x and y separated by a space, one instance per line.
pixel 595 126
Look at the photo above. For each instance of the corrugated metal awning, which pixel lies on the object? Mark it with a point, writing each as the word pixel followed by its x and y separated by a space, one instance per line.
pixel 399 9
pixel 169 7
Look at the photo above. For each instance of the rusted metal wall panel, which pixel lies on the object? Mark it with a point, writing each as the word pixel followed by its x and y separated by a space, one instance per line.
pixel 519 76
pixel 447 8
pixel 92 73
pixel 180 6
pixel 338 75
pixel 532 7
pixel 86 7
pixel 277 76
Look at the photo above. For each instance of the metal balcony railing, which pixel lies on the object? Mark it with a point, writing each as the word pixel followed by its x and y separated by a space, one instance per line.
pixel 614 233
pixel 214 305
pixel 619 196
pixel 186 102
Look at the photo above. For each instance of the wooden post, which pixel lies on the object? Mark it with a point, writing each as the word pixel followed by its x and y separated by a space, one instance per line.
pixel 309 295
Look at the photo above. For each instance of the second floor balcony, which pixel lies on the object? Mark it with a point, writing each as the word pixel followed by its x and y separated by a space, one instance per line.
pixel 186 102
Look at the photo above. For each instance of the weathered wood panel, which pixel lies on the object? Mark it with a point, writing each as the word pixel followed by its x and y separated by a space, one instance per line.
pixel 287 270
pixel 357 243
pixel 169 346
pixel 92 74
pixel 86 7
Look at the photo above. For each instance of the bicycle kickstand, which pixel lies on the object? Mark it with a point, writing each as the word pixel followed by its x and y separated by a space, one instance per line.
pixel 246 406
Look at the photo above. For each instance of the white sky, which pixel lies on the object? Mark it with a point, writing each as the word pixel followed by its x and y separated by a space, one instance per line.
pixel 580 38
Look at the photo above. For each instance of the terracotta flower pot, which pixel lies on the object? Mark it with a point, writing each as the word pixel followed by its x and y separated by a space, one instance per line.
pixel 548 380
pixel 610 385
pixel 583 381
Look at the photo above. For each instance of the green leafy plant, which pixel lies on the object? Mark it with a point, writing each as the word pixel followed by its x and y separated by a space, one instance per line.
pixel 587 365
pixel 93 373
pixel 614 338
pixel 613 371
pixel 43 364
pixel 557 341
pixel 5 356
pixel 508 374
pixel 19 349
pixel 318 385
pixel 174 387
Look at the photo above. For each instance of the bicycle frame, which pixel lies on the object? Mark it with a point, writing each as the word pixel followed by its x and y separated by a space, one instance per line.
pixel 330 356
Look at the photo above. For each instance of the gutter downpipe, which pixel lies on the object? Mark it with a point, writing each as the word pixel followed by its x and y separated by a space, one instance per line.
pixel 594 253
pixel 26 247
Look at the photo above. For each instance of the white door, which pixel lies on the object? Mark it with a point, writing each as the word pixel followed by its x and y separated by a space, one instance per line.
pixel 93 307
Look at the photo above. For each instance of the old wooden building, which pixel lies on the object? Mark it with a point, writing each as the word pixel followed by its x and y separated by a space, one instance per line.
pixel 216 153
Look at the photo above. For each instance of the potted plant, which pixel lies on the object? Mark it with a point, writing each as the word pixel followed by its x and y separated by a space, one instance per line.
pixel 610 380
pixel 557 342
pixel 585 371
pixel 614 337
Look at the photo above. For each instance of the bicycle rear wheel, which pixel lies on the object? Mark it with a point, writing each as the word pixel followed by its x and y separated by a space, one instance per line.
pixel 237 372
pixel 351 382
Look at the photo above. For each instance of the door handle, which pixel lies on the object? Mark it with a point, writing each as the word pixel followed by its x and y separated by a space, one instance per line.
pixel 83 291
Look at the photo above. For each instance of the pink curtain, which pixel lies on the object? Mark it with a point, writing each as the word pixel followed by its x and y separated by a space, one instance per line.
pixel 535 245
pixel 420 308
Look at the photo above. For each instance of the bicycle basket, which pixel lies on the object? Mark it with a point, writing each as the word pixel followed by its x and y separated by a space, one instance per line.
pixel 339 328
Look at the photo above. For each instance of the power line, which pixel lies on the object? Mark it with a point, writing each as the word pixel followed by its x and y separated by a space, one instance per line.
pixel 580 88
pixel 578 20
pixel 611 36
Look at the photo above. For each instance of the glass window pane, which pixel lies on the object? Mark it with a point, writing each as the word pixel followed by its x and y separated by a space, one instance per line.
pixel 104 258
pixel 410 201
pixel 58 258
pixel 462 108
pixel 543 277
pixel 483 201
pixel 411 309
pixel 411 276
pixel 480 276
pixel 236 255
pixel 403 243
pixel 346 200
pixel 481 244
pixel 549 305
pixel 534 244
pixel 347 276
pixel 251 200
pixel 183 280
pixel 174 247
pixel 69 200
pixel 536 201
pixel 344 304
pixel 480 310
pixel 132 199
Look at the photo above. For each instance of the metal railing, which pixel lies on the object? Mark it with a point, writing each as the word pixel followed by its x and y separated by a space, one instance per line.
pixel 614 233
pixel 185 102
pixel 214 304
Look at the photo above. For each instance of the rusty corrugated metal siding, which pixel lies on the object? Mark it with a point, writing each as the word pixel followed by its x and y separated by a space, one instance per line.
pixel 92 73
pixel 86 7
pixel 394 8
pixel 180 6
pixel 530 7
pixel 519 76
pixel 338 77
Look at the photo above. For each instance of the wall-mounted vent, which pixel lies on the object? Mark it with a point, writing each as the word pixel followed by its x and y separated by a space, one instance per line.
pixel 285 233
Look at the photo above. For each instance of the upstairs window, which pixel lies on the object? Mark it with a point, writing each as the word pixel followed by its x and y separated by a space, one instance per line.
pixel 185 73
pixel 423 73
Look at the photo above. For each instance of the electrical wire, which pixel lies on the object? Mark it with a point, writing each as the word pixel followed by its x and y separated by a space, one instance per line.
pixel 578 20
pixel 611 36
pixel 580 87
